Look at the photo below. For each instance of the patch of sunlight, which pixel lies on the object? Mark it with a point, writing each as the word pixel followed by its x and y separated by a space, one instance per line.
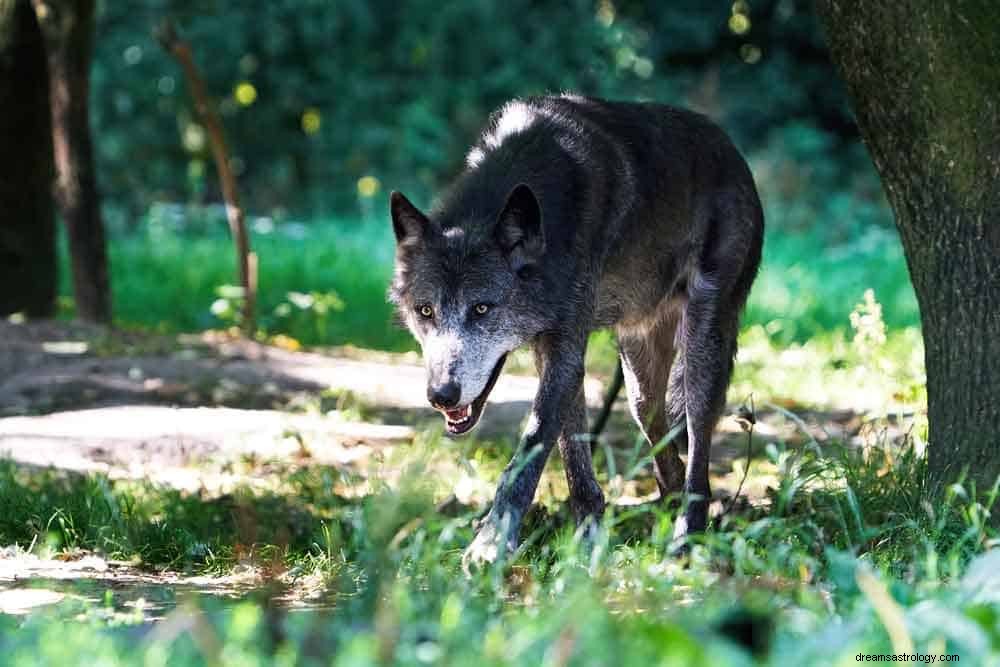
pixel 368 186
pixel 606 13
pixel 245 93
pixel 625 57
pixel 65 347
pixel 739 24
pixel 643 68
pixel 311 120
pixel 23 600
pixel 193 137
pixel 864 374
pixel 472 489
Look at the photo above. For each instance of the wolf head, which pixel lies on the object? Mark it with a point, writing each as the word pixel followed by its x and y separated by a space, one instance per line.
pixel 462 287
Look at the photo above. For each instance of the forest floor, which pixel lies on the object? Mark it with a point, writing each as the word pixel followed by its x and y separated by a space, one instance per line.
pixel 211 413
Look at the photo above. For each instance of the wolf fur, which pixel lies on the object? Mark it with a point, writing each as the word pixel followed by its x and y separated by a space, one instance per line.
pixel 574 214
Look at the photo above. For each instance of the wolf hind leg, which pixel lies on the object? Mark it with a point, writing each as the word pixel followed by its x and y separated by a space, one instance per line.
pixel 717 291
pixel 647 359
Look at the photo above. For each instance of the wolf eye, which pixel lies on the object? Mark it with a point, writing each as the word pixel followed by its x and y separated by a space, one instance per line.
pixel 425 311
pixel 481 308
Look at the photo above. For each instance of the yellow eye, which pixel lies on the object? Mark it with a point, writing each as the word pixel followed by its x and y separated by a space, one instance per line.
pixel 481 308
pixel 426 311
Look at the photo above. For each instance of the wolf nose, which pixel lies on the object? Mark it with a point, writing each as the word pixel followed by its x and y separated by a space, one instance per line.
pixel 445 396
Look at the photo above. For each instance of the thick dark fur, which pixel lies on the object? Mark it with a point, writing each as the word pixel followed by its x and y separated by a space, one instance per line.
pixel 574 214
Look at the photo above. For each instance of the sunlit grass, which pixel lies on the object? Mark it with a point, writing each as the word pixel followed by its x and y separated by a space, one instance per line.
pixel 832 372
pixel 167 281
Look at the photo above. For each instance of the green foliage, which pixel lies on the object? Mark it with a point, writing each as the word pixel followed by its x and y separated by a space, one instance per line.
pixel 151 525
pixel 311 313
pixel 317 96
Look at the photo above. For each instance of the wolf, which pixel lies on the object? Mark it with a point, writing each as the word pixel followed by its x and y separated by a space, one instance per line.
pixel 573 214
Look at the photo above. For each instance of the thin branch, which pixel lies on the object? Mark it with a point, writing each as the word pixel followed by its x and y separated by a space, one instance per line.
pixel 609 399
pixel 748 419
pixel 167 35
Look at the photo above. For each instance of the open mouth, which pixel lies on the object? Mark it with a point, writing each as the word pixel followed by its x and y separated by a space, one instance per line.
pixel 460 421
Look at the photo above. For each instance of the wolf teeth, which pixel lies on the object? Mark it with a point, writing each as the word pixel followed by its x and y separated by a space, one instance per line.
pixel 453 418
pixel 458 415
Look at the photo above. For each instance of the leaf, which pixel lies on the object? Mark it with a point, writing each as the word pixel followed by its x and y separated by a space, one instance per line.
pixel 981 582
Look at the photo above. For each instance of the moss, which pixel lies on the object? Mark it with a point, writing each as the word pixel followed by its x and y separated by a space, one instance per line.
pixel 962 81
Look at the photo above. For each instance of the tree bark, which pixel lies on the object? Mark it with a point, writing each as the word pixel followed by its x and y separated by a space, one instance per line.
pixel 28 260
pixel 925 84
pixel 68 28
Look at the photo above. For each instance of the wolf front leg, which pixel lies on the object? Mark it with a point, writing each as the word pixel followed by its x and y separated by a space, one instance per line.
pixel 559 386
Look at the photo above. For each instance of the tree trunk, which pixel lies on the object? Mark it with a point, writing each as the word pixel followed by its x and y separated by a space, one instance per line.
pixel 925 84
pixel 28 262
pixel 68 28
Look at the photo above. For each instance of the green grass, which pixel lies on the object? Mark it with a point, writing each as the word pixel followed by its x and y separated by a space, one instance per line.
pixel 831 371
pixel 803 581
pixel 167 281
pixel 807 284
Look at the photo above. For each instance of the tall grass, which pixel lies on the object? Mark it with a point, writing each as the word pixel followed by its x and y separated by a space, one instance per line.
pixel 167 279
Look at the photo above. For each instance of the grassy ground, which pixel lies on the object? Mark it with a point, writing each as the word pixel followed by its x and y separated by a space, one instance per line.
pixel 169 280
pixel 843 559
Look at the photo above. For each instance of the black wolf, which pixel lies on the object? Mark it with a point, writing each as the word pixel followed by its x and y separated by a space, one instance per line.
pixel 572 214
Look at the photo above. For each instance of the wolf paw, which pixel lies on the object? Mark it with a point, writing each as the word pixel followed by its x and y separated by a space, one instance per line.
pixel 680 529
pixel 679 547
pixel 690 522
pixel 491 543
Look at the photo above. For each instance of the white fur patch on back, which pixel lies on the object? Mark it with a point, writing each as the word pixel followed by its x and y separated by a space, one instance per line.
pixel 474 157
pixel 515 117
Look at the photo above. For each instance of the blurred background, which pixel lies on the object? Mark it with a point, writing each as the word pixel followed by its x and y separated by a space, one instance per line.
pixel 328 106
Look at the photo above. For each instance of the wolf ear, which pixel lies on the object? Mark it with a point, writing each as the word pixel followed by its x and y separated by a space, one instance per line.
pixel 407 221
pixel 519 229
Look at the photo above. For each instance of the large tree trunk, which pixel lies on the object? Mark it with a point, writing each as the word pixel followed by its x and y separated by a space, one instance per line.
pixel 924 78
pixel 68 28
pixel 28 263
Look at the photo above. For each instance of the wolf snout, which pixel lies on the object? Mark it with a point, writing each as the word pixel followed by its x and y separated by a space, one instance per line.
pixel 444 396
